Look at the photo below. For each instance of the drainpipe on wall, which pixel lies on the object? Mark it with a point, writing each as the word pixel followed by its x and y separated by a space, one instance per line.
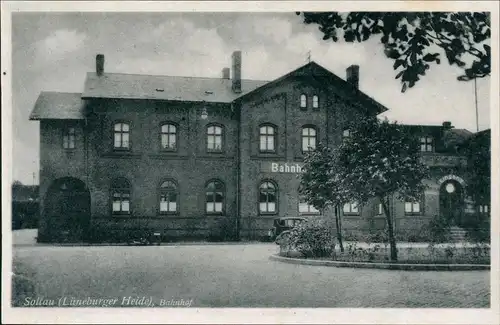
pixel 238 170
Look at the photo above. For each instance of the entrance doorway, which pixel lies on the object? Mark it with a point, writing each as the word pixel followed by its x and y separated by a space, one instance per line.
pixel 67 210
pixel 451 202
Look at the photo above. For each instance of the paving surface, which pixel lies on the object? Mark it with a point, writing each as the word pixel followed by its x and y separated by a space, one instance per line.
pixel 237 276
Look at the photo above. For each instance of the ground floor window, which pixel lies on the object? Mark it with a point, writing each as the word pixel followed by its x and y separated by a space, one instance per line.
pixel 412 207
pixel 306 208
pixel 168 197
pixel 267 197
pixel 120 196
pixel 215 197
pixel 351 208
pixel 483 208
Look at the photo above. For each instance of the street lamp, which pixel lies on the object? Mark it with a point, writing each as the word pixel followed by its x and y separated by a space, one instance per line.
pixel 204 113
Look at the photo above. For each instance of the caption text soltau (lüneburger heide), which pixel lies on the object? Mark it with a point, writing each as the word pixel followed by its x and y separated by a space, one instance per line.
pixel 125 301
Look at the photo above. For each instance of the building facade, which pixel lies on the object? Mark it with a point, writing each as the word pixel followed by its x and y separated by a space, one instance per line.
pixel 212 158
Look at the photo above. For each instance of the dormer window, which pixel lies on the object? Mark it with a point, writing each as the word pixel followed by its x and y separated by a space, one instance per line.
pixel 303 101
pixel 315 101
pixel 426 144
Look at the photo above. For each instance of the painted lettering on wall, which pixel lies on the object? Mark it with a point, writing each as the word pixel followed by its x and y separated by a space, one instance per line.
pixel 292 168
pixel 451 177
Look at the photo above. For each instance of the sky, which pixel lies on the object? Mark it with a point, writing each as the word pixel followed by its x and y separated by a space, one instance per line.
pixel 53 52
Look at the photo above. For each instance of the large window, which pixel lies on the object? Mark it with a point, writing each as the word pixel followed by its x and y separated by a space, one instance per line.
pixel 308 138
pixel 303 101
pixel 267 138
pixel 169 137
pixel 426 144
pixel 215 197
pixel 215 137
pixel 168 197
pixel 120 191
pixel 69 138
pixel 351 208
pixel 121 136
pixel 268 197
pixel 306 208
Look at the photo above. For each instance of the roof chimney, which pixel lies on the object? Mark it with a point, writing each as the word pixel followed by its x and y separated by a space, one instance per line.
pixel 99 64
pixel 447 125
pixel 225 73
pixel 352 75
pixel 236 71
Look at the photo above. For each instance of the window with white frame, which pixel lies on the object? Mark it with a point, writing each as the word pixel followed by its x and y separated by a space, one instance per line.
pixel 267 138
pixel 305 207
pixel 169 137
pixel 308 138
pixel 483 208
pixel 214 197
pixel 69 138
pixel 413 207
pixel 215 134
pixel 303 101
pixel 351 208
pixel 168 197
pixel 315 101
pixel 426 144
pixel 121 136
pixel 268 197
pixel 120 191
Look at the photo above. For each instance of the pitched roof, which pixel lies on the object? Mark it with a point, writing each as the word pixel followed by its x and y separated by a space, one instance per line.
pixel 342 88
pixel 133 86
pixel 57 105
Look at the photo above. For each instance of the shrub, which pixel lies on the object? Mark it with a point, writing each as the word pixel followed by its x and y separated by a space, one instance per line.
pixel 478 228
pixel 312 238
pixel 439 229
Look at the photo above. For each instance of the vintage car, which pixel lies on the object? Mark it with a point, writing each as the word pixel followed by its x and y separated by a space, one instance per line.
pixel 284 224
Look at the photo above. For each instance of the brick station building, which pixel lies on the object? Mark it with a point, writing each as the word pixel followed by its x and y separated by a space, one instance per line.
pixel 210 157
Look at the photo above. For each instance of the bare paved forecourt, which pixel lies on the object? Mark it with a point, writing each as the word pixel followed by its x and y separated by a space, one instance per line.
pixel 240 275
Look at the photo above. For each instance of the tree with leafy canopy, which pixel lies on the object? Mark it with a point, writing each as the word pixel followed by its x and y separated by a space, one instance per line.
pixel 321 187
pixel 414 40
pixel 378 160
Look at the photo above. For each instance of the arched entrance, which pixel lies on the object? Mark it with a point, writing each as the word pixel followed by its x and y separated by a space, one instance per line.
pixel 67 210
pixel 451 201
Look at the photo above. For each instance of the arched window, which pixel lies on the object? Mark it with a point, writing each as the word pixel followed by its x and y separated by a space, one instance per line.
pixel 215 137
pixel 315 101
pixel 121 136
pixel 120 189
pixel 215 197
pixel 168 197
pixel 303 101
pixel 268 197
pixel 308 138
pixel 267 138
pixel 169 137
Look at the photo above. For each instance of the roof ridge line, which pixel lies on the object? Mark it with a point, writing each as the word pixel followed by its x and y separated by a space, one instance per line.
pixel 163 75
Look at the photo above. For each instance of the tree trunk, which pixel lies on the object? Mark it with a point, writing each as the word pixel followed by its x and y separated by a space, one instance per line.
pixel 339 228
pixel 390 227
